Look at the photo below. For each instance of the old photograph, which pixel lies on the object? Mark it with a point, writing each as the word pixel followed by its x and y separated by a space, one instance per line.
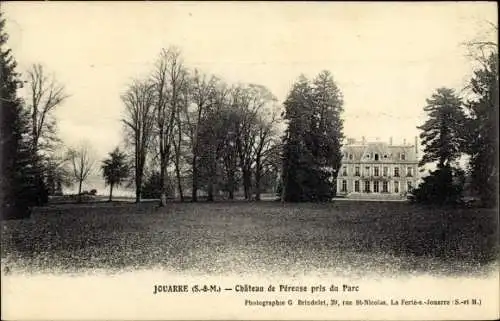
pixel 249 160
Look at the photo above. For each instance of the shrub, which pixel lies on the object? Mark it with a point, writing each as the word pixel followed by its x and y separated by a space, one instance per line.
pixel 444 186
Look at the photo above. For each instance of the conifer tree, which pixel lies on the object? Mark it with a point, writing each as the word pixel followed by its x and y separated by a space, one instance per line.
pixel 328 102
pixel 482 130
pixel 312 141
pixel 296 157
pixel 17 179
pixel 442 137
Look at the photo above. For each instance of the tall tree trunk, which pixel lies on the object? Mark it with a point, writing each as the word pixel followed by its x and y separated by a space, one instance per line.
pixel 231 184
pixel 179 181
pixel 138 173
pixel 210 190
pixel 247 183
pixel 194 186
pixel 258 174
pixel 80 190
pixel 138 187
pixel 177 147
pixel 110 192
pixel 163 190
pixel 212 172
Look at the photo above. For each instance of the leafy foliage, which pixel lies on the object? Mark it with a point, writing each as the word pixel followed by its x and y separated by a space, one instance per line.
pixel 442 133
pixel 444 186
pixel 153 186
pixel 482 131
pixel 312 142
pixel 443 139
pixel 115 169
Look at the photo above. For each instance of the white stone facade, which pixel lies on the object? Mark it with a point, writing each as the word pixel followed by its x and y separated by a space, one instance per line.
pixel 377 170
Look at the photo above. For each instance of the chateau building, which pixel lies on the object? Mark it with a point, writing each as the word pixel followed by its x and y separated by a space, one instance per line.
pixel 377 170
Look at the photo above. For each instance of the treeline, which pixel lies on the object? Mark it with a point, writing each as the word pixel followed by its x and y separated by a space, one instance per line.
pixel 191 132
pixel 463 125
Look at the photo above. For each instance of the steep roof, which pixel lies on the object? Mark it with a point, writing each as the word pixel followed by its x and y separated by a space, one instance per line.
pixel 370 151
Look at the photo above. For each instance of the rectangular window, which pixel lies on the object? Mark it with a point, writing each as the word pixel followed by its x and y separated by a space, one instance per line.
pixel 385 187
pixel 367 186
pixel 410 187
pixel 344 185
pixel 396 171
pixel 409 172
pixel 356 186
pixel 385 170
pixel 396 187
pixel 357 171
pixel 375 171
pixel 375 186
pixel 367 170
pixel 344 171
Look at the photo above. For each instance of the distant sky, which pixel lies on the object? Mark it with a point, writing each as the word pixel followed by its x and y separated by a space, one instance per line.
pixel 387 58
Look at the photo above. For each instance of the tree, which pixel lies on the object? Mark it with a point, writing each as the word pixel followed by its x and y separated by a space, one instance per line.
pixel 442 133
pixel 226 148
pixel 482 130
pixel 442 137
pixel 312 141
pixel 266 140
pixel 45 96
pixel 139 100
pixel 168 82
pixel 180 134
pixel 211 132
pixel 442 186
pixel 327 130
pixel 115 169
pixel 57 173
pixel 152 186
pixel 17 176
pixel 82 164
pixel 201 89
pixel 295 166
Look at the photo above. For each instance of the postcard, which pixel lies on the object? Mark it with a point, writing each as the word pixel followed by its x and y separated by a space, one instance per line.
pixel 249 161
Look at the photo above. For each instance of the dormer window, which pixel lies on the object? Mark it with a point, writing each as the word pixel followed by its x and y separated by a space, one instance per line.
pixel 376 157
pixel 403 156
pixel 350 156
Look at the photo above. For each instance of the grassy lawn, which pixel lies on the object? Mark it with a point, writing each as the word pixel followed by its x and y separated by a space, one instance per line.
pixel 267 237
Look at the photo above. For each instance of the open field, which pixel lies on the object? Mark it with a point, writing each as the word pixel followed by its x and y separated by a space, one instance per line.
pixel 239 237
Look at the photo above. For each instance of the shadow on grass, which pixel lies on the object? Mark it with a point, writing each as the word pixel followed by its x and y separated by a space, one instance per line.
pixel 220 237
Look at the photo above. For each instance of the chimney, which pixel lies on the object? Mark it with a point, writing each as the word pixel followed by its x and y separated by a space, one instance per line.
pixel 390 141
pixel 416 145
pixel 364 140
